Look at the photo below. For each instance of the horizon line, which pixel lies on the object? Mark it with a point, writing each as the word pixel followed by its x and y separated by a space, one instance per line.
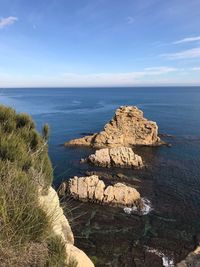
pixel 113 86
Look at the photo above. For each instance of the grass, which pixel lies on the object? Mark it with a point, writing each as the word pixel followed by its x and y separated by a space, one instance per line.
pixel 56 253
pixel 26 238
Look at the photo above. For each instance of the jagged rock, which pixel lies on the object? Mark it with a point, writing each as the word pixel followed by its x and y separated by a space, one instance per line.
pixel 116 157
pixel 101 158
pixel 109 194
pixel 99 191
pixel 192 260
pixel 60 226
pixel 127 128
pixel 96 191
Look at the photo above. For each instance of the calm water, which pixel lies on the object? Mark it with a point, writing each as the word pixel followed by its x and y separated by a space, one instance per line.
pixel 172 180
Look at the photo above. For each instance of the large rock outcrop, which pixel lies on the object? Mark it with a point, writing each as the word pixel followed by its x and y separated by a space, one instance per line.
pixel 127 128
pixel 116 157
pixel 93 189
pixel 60 227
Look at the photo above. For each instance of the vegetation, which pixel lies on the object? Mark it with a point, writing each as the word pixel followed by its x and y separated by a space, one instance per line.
pixel 25 230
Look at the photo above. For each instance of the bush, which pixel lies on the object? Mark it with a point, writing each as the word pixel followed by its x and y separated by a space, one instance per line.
pixel 24 120
pixel 25 229
pixel 21 143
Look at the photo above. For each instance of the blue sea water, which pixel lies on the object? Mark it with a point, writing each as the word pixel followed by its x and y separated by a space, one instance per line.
pixel 173 186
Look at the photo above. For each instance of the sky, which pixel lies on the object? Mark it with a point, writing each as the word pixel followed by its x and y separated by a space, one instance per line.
pixel 74 43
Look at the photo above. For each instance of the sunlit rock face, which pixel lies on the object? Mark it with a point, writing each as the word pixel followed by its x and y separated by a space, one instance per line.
pixel 93 189
pixel 127 128
pixel 60 227
pixel 116 157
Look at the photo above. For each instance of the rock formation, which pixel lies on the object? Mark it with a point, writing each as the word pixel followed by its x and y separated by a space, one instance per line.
pixel 127 128
pixel 93 189
pixel 192 260
pixel 60 225
pixel 116 157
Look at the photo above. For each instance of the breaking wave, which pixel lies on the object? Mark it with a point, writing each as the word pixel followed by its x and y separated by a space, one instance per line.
pixel 146 209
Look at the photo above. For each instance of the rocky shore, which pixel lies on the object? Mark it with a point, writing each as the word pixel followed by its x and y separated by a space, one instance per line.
pixel 127 128
pixel 92 189
pixel 115 148
pixel 115 143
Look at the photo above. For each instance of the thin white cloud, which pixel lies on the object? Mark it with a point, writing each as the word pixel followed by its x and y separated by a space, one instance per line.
pixel 92 79
pixel 130 20
pixel 117 78
pixel 4 22
pixel 196 69
pixel 186 54
pixel 159 70
pixel 187 40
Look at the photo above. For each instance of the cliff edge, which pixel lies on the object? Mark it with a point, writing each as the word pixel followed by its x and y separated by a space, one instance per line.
pixel 60 226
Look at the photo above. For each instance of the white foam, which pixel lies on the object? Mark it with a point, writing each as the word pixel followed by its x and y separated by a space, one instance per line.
pixel 167 260
pixel 147 208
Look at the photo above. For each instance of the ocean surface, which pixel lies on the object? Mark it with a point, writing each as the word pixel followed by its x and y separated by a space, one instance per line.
pixel 171 182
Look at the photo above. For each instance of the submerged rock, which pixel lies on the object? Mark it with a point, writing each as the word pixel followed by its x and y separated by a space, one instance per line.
pixel 116 157
pixel 127 128
pixel 93 189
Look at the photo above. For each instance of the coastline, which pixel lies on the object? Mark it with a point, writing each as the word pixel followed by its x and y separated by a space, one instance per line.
pixel 169 187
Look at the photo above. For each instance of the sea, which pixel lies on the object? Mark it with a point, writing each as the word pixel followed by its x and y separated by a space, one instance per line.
pixel 170 181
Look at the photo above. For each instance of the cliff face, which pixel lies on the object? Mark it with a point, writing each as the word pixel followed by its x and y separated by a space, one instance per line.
pixel 60 227
pixel 127 128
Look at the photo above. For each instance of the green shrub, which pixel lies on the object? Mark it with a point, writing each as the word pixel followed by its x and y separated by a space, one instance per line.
pixel 24 120
pixel 6 114
pixel 14 149
pixel 21 143
pixel 25 229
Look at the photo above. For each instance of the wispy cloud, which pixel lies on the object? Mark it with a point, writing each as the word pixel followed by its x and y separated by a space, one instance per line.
pixel 196 69
pixel 186 54
pixel 158 70
pixel 147 75
pixel 119 78
pixel 188 40
pixel 130 20
pixel 4 22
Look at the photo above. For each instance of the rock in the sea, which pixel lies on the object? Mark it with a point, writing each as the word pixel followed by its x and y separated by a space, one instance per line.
pixel 116 157
pixel 93 189
pixel 127 128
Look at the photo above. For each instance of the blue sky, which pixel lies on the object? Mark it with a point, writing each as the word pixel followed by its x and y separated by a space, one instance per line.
pixel 99 42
